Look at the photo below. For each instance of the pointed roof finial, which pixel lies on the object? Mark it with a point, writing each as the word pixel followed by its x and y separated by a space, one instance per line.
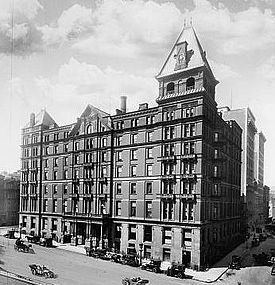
pixel 191 21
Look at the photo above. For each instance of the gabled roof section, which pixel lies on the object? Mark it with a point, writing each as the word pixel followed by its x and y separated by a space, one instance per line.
pixel 92 110
pixel 186 54
pixel 43 118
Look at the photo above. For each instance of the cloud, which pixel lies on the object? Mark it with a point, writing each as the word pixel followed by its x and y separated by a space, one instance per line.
pixel 235 33
pixel 16 22
pixel 267 70
pixel 73 23
pixel 80 83
pixel 222 71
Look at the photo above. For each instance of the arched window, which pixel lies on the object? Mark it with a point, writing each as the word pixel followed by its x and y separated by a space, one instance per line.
pixel 170 87
pixel 89 129
pixel 190 83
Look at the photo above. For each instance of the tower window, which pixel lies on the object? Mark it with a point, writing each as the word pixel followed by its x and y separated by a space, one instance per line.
pixel 170 87
pixel 190 84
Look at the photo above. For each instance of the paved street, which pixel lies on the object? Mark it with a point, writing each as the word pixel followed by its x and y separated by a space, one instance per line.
pixel 74 268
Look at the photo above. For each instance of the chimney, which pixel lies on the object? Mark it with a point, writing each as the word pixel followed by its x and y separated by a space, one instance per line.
pixel 123 103
pixel 32 120
pixel 143 106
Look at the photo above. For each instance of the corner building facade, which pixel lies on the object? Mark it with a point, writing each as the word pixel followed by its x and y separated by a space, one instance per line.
pixel 163 182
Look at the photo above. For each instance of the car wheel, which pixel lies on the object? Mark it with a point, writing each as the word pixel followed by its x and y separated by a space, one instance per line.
pixel 155 270
pixel 33 271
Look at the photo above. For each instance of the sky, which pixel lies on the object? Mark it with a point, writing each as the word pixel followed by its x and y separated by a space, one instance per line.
pixel 70 53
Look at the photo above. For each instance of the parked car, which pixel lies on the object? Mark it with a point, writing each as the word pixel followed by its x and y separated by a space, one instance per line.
pixel 273 270
pixel 10 234
pixel 47 242
pixel 255 242
pixel 151 265
pixel 235 262
pixel 41 270
pixel 176 270
pixel 164 266
pixel 33 239
pixel 134 281
pixel 130 259
pixel 23 247
pixel 117 257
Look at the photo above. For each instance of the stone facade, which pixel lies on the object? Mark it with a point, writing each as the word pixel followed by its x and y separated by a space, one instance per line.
pixel 162 182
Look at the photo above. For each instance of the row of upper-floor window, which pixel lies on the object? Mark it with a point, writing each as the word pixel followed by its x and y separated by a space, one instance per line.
pixel 167 115
pixel 167 209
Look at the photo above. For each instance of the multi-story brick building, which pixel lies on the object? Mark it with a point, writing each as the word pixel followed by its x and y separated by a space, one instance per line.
pixel 163 181
pixel 9 200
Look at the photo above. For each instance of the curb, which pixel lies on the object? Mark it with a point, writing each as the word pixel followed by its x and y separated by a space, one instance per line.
pixel 21 278
pixel 211 281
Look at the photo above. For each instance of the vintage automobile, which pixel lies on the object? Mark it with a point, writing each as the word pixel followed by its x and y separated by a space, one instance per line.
pixel 151 265
pixel 134 281
pixel 117 257
pixel 164 266
pixel 176 270
pixel 10 234
pixel 255 242
pixel 21 246
pixel 46 241
pixel 33 239
pixel 273 270
pixel 41 270
pixel 130 259
pixel 235 262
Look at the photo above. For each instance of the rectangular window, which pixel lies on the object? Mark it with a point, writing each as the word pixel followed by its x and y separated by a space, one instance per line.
pixel 118 140
pixel 149 170
pixel 45 205
pixel 149 152
pixel 76 146
pixel 119 155
pixel 147 251
pixel 149 136
pixel 118 188
pixel 55 205
pixel 134 138
pixel 46 175
pixel 104 142
pixel 133 188
pixel 46 163
pixel 118 208
pixel 133 208
pixel 166 254
pixel 132 232
pixel 65 189
pixel 168 210
pixel 167 236
pixel 134 154
pixel 44 223
pixel 148 209
pixel 65 161
pixel 104 156
pixel 147 233
pixel 55 175
pixel 133 170
pixel 119 171
pixel 55 149
pixel 66 147
pixel 148 188
pixel 191 212
pixel 66 174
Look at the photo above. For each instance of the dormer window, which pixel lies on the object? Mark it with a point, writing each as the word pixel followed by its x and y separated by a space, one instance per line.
pixel 170 87
pixel 190 84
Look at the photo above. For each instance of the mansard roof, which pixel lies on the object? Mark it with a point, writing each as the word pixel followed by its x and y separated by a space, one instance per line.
pixel 192 54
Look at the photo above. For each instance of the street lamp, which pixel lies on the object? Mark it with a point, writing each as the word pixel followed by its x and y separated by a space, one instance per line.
pixel 140 252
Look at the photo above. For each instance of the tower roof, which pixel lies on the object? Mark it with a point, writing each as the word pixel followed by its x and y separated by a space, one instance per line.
pixel 186 54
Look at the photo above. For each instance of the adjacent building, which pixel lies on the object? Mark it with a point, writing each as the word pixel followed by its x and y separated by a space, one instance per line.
pixel 164 182
pixel 255 194
pixel 9 200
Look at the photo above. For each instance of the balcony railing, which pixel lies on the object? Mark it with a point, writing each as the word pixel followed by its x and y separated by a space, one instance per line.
pixel 166 196
pixel 189 176
pixel 169 158
pixel 189 156
pixel 188 196
pixel 171 177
